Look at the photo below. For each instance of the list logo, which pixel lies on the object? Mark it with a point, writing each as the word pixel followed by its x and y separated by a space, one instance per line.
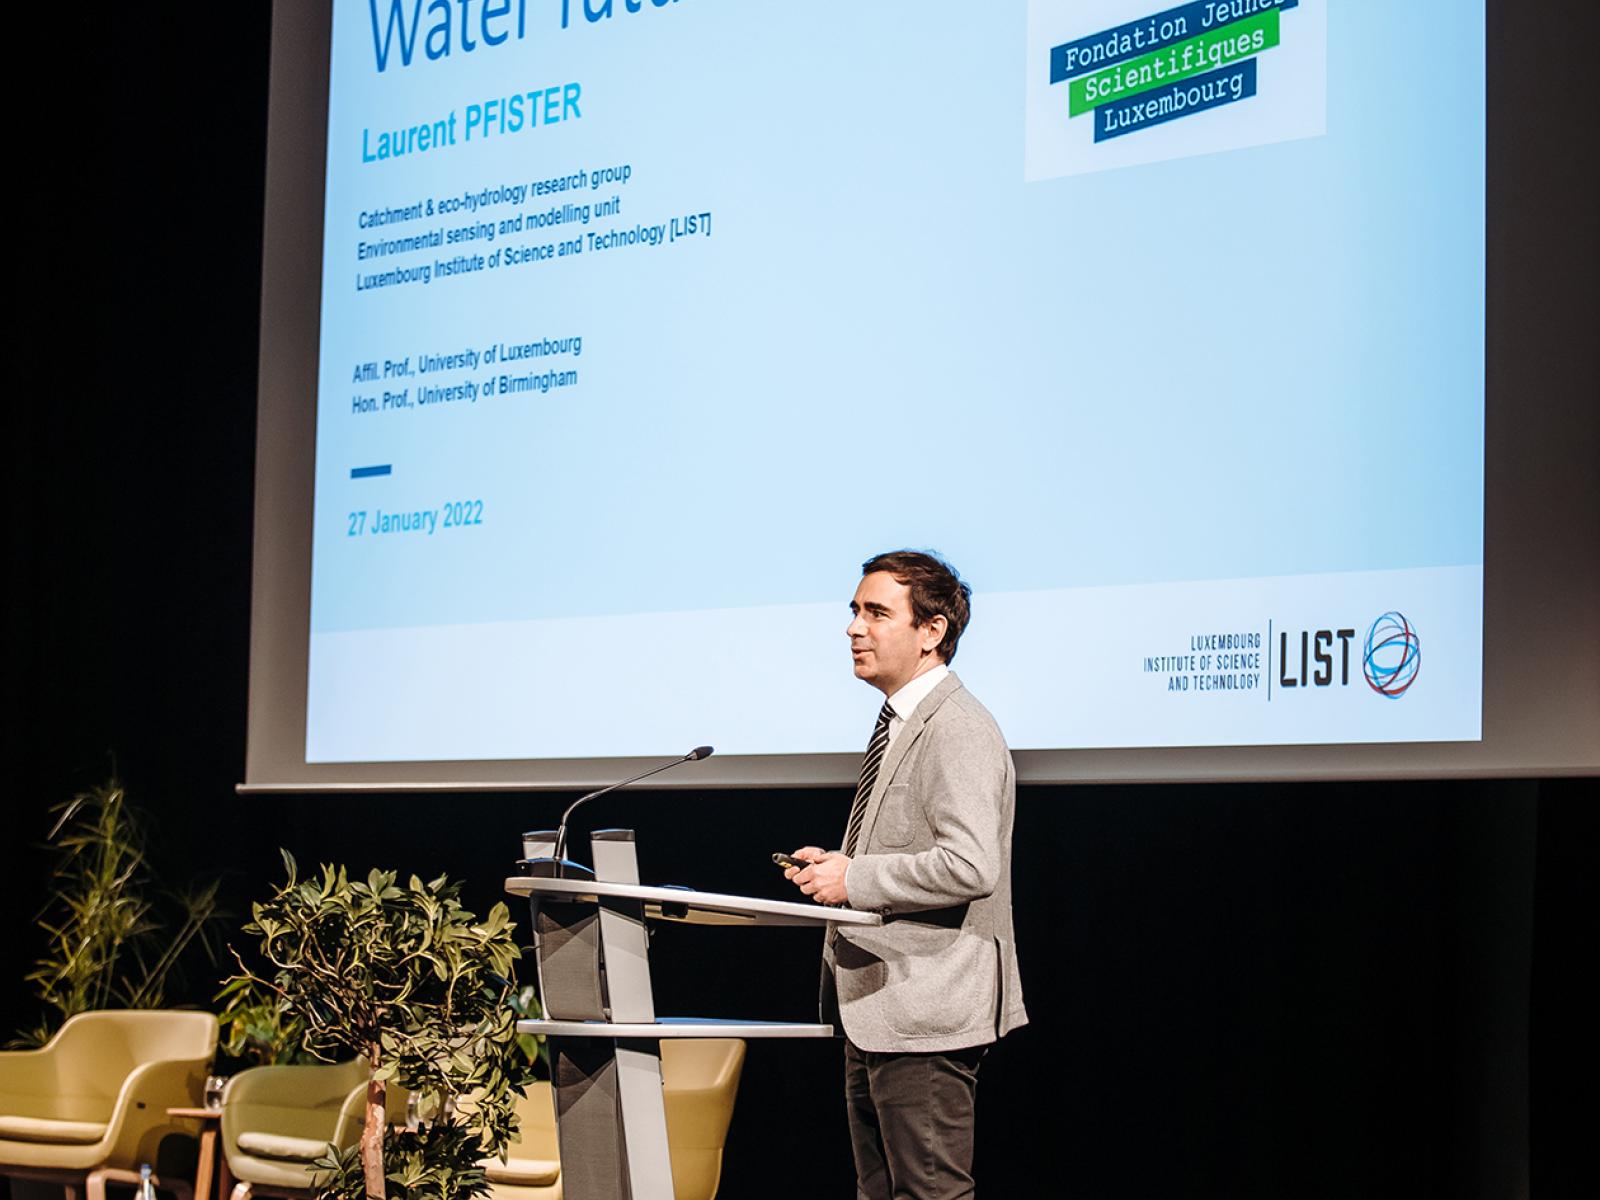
pixel 1323 658
pixel 1296 659
pixel 1318 658
pixel 1391 655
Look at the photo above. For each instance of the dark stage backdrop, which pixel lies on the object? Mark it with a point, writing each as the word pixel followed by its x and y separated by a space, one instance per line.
pixel 1310 990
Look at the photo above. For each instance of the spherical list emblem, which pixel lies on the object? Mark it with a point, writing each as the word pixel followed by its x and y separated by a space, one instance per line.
pixel 1391 656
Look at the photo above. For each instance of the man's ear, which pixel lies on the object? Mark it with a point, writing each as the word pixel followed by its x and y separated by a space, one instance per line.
pixel 933 633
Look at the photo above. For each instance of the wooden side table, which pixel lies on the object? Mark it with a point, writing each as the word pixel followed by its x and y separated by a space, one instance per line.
pixel 211 1164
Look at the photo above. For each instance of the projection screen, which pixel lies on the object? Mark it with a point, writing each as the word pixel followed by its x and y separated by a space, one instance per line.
pixel 602 340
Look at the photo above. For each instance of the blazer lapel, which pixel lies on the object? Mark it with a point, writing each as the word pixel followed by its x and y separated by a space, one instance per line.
pixel 902 746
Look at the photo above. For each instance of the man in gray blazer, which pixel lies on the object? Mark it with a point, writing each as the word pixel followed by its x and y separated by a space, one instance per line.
pixel 928 845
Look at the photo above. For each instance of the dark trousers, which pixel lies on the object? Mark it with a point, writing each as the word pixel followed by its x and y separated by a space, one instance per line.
pixel 911 1122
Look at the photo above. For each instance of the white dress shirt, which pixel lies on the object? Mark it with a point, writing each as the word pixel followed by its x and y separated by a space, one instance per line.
pixel 905 701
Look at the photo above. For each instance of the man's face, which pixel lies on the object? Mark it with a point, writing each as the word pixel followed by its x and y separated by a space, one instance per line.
pixel 887 649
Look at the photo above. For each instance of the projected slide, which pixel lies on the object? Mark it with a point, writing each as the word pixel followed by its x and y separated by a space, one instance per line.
pixel 645 322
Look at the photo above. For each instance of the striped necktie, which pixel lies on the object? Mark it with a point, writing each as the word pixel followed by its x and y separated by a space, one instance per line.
pixel 869 776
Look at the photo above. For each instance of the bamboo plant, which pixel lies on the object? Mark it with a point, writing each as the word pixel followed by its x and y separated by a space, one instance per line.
pixel 113 938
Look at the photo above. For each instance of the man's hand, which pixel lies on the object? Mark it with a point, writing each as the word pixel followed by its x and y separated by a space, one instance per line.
pixel 823 880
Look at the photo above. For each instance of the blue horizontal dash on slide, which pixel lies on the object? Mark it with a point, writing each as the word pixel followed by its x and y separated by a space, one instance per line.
pixel 369 472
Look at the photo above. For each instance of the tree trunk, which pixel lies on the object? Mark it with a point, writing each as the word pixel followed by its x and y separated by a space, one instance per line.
pixel 372 1132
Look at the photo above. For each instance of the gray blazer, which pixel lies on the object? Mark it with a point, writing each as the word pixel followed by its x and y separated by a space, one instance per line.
pixel 935 859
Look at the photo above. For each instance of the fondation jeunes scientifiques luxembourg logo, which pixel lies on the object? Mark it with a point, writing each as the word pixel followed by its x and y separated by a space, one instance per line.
pixel 1391 656
pixel 1168 65
pixel 1113 83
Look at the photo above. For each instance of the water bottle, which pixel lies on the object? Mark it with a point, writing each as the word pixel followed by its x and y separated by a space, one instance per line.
pixel 147 1190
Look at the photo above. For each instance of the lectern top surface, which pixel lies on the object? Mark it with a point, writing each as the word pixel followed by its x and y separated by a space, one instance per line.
pixel 688 907
pixel 678 1028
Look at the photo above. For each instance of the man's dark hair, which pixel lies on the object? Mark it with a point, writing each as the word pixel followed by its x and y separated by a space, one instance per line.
pixel 936 591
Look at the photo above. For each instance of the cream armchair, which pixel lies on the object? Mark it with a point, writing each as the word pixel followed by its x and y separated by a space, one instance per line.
pixel 277 1121
pixel 532 1170
pixel 699 1080
pixel 95 1097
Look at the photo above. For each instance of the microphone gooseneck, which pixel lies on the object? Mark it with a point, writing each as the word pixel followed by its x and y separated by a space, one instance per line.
pixel 560 851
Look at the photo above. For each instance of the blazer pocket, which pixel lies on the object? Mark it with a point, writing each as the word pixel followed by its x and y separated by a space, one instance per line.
pixel 943 982
pixel 898 818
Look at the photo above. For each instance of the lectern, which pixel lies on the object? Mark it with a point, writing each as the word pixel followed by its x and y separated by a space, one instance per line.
pixel 592 949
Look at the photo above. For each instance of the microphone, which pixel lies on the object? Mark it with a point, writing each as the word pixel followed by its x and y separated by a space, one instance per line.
pixel 560 852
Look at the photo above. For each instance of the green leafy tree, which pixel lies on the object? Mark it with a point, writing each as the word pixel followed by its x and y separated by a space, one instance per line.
pixel 113 937
pixel 407 979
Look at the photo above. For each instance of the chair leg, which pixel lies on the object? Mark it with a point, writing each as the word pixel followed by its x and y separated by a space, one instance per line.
pixel 70 1192
pixel 206 1166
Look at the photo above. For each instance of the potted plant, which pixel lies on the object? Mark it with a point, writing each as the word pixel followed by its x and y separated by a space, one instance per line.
pixel 405 978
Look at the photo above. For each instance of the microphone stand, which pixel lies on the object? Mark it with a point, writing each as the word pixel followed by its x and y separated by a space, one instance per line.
pixel 557 864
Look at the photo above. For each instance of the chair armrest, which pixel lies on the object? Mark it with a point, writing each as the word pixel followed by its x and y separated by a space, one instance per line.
pixel 139 1120
pixel 353 1113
